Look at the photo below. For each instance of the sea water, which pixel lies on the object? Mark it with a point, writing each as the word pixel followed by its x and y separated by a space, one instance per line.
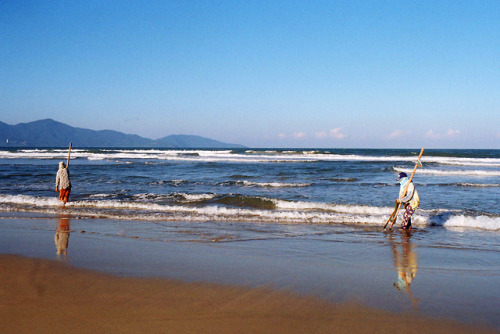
pixel 305 220
pixel 458 188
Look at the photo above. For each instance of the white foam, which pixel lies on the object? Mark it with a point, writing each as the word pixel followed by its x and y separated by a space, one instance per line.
pixel 440 172
pixel 339 208
pixel 197 197
pixel 250 156
pixel 293 213
pixel 285 212
pixel 479 222
pixel 184 197
pixel 479 185
pixel 272 184
pixel 29 200
pixel 458 161
pixel 101 195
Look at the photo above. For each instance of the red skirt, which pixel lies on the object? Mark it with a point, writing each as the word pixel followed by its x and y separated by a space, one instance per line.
pixel 64 194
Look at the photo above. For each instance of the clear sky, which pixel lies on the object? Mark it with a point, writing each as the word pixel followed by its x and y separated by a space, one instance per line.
pixel 259 73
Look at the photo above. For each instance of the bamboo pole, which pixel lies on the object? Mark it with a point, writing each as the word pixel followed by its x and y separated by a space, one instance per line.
pixel 69 153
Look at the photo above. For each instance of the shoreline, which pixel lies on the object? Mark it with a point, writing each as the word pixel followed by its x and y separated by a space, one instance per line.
pixel 348 269
pixel 45 296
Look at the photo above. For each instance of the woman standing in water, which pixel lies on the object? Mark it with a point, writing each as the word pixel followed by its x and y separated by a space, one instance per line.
pixel 63 182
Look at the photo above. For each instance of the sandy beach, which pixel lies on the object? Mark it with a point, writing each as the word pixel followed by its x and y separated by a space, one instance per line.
pixel 95 275
pixel 44 296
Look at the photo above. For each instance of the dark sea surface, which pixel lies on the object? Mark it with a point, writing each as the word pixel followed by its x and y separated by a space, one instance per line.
pixel 307 220
pixel 458 188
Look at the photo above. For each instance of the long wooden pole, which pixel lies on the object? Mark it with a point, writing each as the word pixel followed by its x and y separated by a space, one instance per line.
pixel 69 153
pixel 395 213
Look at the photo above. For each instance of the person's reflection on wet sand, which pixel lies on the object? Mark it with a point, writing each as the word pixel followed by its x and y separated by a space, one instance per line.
pixel 405 262
pixel 61 237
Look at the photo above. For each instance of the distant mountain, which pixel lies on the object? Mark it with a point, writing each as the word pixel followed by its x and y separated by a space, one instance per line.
pixel 50 133
pixel 192 141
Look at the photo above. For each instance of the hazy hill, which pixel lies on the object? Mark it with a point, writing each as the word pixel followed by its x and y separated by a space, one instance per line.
pixel 191 141
pixel 50 133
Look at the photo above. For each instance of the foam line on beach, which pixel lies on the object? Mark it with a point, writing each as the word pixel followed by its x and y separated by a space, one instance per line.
pixel 463 221
pixel 284 211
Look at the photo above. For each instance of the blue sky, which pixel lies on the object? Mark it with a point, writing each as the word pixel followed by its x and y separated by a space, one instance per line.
pixel 259 73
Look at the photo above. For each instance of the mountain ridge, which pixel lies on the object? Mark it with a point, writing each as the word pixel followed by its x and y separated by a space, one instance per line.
pixel 50 133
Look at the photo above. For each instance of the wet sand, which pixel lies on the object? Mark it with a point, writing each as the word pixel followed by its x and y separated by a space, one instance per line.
pixel 94 275
pixel 45 296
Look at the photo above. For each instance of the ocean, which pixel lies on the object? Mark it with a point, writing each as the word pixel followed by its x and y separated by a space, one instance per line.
pixel 308 220
pixel 458 188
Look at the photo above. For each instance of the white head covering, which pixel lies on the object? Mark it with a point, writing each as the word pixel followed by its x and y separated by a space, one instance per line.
pixel 62 165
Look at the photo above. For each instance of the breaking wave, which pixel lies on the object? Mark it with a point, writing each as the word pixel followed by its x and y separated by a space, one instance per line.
pixel 440 172
pixel 240 156
pixel 240 208
pixel 267 184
